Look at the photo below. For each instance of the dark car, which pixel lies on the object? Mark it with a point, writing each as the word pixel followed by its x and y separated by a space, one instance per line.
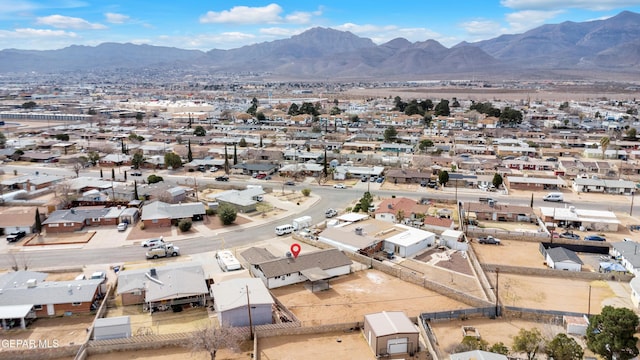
pixel 15 236
pixel 222 178
pixel 570 235
pixel 290 183
pixel 136 173
pixel 489 240
pixel 595 238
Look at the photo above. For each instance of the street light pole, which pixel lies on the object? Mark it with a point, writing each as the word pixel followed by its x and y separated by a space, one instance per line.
pixel 497 287
pixel 249 310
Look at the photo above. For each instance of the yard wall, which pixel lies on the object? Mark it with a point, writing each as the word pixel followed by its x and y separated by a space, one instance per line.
pixel 576 275
pixel 42 353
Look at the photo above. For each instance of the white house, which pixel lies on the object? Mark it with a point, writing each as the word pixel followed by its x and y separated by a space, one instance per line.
pixel 635 292
pixel 391 333
pixel 560 258
pixel 318 266
pixel 406 241
pixel 629 254
pixel 454 239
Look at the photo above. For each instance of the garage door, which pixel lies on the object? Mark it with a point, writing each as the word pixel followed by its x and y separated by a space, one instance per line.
pixel 397 346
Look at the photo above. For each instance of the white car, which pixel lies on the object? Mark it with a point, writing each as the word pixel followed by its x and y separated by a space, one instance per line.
pixel 122 226
pixel 153 242
pixel 339 186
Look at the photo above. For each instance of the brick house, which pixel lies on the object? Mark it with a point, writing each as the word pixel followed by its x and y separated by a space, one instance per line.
pixel 65 221
pixel 160 214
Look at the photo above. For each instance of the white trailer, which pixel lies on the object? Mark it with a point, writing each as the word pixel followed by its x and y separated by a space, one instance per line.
pixel 302 222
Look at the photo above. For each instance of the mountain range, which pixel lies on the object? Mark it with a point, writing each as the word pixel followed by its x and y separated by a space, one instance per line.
pixel 579 49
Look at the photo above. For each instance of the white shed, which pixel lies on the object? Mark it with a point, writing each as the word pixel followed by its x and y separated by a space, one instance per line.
pixel 112 328
pixel 454 239
pixel 560 258
pixel 407 241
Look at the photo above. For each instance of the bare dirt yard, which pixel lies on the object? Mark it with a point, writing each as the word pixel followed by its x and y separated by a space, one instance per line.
pixel 67 330
pixel 364 292
pixel 60 239
pixel 329 346
pixel 176 353
pixel 164 322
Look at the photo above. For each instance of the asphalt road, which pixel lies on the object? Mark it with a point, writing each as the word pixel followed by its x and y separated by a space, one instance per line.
pixel 329 197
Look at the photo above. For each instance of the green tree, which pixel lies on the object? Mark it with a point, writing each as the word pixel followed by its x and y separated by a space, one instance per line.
pixel 29 105
pixel 604 144
pixel 62 137
pixel 189 153
pixel 235 154
pixel 631 134
pixel 153 178
pixel 172 160
pixel 3 140
pixel 425 144
pixel 510 116
pixel 499 348
pixel 185 225
pixel 252 109
pixel 242 143
pixel 293 110
pixel 38 219
pixel 261 146
pixel 199 131
pixel 442 109
pixel 365 201
pixel 137 160
pixel 528 342
pixel 470 343
pixel 306 192
pixel 611 333
pixel 443 177
pixel 135 190
pixel 497 180
pixel 226 161
pixel 113 174
pixel 227 214
pixel 335 111
pixel 390 134
pixel 93 157
pixel 563 347
pixel 260 116
pixel 139 116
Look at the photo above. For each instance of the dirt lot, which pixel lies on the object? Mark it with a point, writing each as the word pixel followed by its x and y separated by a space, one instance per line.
pixel 65 330
pixel 59 239
pixel 176 354
pixel 364 292
pixel 328 346
pixel 165 322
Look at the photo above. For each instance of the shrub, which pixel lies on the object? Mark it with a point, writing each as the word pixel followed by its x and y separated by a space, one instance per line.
pixel 306 191
pixel 185 225
pixel 153 178
pixel 141 226
pixel 210 212
pixel 227 214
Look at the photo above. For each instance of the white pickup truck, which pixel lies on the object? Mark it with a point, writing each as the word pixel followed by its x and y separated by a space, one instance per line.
pixel 163 251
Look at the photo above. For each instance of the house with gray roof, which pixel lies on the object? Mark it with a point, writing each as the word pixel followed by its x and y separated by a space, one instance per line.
pixel 560 258
pixel 31 182
pixel 243 201
pixel 64 221
pixel 173 284
pixel 161 214
pixel 233 310
pixel 390 333
pixel 629 254
pixel 316 267
pixel 27 294
pixel 477 355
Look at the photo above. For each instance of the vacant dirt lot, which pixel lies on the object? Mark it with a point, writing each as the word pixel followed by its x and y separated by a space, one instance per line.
pixel 59 239
pixel 176 353
pixel 164 322
pixel 360 293
pixel 66 330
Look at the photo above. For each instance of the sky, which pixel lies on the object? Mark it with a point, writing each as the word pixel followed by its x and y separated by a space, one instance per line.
pixel 214 24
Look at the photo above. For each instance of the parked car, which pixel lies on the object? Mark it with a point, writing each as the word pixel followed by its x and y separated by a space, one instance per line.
pixel 222 178
pixel 122 226
pixel 213 169
pixel 136 173
pixel 330 213
pixel 570 235
pixel 339 186
pixel 16 236
pixel 380 180
pixel 261 176
pixel 489 240
pixel 595 238
pixel 290 183
pixel 153 242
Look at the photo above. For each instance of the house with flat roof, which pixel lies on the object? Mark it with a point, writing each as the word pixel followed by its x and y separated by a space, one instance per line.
pixel 629 254
pixel 596 220
pixel 161 214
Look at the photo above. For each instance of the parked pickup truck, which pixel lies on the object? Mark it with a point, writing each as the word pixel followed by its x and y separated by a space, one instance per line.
pixel 163 251
pixel 489 240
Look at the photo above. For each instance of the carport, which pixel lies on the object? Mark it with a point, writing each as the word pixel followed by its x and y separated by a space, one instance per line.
pixel 10 313
pixel 318 278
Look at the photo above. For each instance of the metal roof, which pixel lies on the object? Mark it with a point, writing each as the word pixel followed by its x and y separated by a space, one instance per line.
pixel 232 294
pixel 51 292
pixel 324 259
pixel 389 323
pixel 15 311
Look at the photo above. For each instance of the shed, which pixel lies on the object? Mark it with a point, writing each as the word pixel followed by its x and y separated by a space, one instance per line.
pixel 560 258
pixel 232 302
pixel 112 328
pixel 391 333
pixel 454 239
pixel 576 325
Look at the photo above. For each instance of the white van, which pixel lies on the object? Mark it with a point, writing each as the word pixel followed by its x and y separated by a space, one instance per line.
pixel 284 229
pixel 557 197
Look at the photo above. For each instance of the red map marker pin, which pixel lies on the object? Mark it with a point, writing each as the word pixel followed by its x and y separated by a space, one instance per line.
pixel 295 250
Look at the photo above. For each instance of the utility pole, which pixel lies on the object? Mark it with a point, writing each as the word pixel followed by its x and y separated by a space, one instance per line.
pixel 589 304
pixel 249 309
pixel 497 288
pixel 633 193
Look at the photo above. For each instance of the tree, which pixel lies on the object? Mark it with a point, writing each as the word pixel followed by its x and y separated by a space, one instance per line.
pixel 610 333
pixel 293 110
pixel 226 161
pixel 172 160
pixel 242 143
pixel 227 214
pixel 498 348
pixel 189 153
pixel 306 192
pixel 260 116
pixel 470 343
pixel 212 339
pixel 563 347
pixel 528 342
pixel 38 221
pixel 77 167
pixel 390 134
pixel 235 154
pixel 62 137
pixel 3 140
pixel 325 165
pixel 443 177
pixel 101 175
pixel 442 109
pixel 261 146
pixel 185 225
pixel 365 201
pixel 425 144
pixel 510 116
pixel 631 134
pixel 137 160
pixel 135 190
pixel 497 180
pixel 604 144
pixel 113 174
pixel 199 131
pixel 153 178
pixel 29 105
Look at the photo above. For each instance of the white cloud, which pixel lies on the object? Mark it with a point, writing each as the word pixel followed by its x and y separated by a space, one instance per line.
pixel 67 22
pixel 528 19
pixel 115 18
pixel 482 28
pixel 381 34
pixel 244 15
pixel 564 4
pixel 36 33
pixel 280 32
